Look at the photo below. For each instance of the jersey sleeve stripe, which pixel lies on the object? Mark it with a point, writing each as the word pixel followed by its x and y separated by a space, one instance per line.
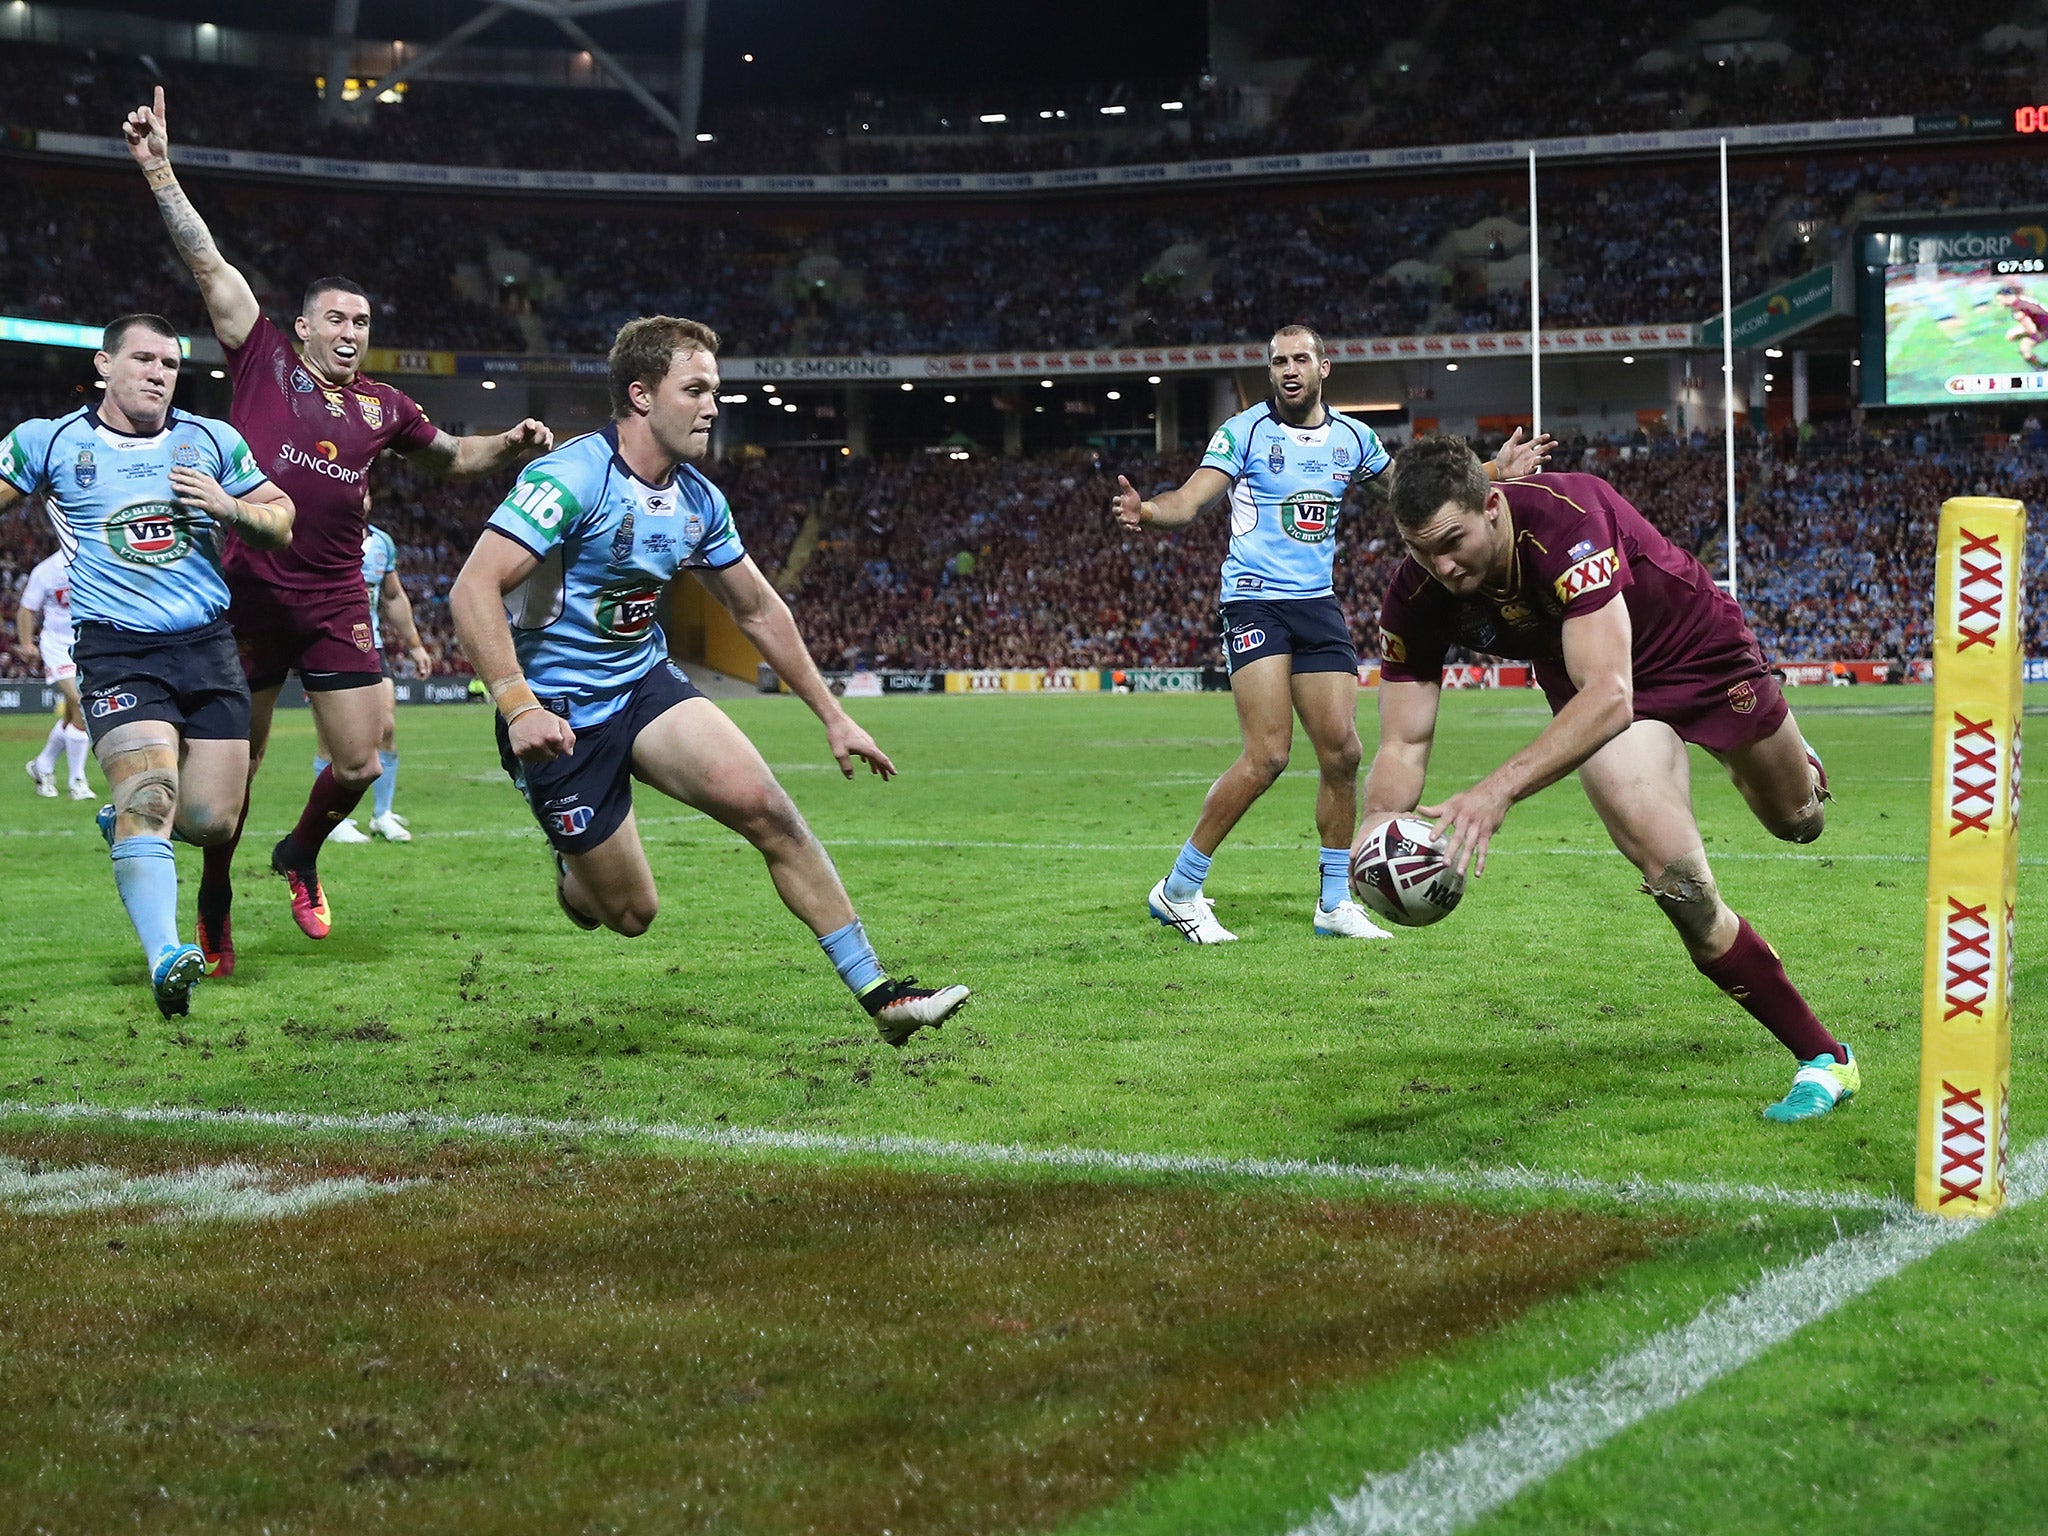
pixel 507 533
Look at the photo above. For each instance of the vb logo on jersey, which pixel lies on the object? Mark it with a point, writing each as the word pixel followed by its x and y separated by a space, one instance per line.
pixel 627 614
pixel 572 822
pixel 150 533
pixel 1308 517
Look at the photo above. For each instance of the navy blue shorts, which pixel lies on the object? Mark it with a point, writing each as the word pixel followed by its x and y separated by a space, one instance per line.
pixel 191 678
pixel 1310 629
pixel 582 799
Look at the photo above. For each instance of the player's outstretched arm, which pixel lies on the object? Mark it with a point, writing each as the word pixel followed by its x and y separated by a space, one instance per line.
pixel 263 516
pixel 1400 764
pixel 477 605
pixel 765 619
pixel 1596 656
pixel 398 617
pixel 1170 508
pixel 230 301
pixel 459 457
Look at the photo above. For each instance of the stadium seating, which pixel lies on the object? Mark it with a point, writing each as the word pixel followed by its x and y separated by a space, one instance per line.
pixel 1633 245
pixel 1837 543
pixel 1483 71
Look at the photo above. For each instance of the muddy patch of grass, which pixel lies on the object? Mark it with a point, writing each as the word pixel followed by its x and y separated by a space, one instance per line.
pixel 539 1339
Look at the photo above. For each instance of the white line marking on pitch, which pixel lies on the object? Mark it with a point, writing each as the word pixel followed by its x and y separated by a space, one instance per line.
pixel 1442 1491
pixel 230 1191
pixel 991 1154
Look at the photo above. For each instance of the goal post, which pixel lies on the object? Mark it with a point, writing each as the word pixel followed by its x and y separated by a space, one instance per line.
pixel 1972 857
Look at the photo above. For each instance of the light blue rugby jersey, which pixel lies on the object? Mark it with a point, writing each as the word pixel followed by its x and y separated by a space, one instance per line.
pixel 380 558
pixel 1286 486
pixel 584 622
pixel 140 559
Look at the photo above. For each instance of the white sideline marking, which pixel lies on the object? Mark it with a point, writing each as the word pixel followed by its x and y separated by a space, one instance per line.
pixel 990 1154
pixel 1445 1490
pixel 230 1191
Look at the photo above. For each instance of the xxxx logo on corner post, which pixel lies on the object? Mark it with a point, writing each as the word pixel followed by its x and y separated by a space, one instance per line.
pixel 1973 857
pixel 150 533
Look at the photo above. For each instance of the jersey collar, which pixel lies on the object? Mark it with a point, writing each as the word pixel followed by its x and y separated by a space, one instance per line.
pixel 611 435
pixel 92 416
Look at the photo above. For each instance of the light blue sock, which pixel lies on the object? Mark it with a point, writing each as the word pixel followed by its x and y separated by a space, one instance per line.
pixel 1336 867
pixel 387 783
pixel 319 764
pixel 1189 871
pixel 146 872
pixel 852 956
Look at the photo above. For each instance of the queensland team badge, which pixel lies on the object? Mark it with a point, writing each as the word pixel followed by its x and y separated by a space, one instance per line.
pixel 373 411
pixel 361 635
pixel 1742 698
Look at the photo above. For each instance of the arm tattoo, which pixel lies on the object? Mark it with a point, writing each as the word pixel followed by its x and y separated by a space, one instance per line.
pixel 188 230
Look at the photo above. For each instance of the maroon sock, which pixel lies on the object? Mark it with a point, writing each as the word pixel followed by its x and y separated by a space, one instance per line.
pixel 1752 974
pixel 216 888
pixel 327 804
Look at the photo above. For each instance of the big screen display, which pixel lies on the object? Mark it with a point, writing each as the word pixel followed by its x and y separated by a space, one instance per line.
pixel 1955 311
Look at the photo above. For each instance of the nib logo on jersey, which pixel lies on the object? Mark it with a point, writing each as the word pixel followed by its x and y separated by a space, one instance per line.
pixel 627 614
pixel 323 464
pixel 1308 517
pixel 150 533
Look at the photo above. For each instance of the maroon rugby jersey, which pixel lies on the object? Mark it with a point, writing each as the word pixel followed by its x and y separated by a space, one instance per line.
pixel 1577 546
pixel 2028 309
pixel 316 444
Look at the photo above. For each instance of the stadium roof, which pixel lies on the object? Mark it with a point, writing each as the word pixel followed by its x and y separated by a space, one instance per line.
pixel 799 46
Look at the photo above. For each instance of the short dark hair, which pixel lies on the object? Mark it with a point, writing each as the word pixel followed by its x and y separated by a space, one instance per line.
pixel 645 350
pixel 117 331
pixel 1431 471
pixel 1296 328
pixel 321 285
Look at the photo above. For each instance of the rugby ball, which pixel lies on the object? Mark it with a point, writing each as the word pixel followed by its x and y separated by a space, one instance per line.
pixel 1398 873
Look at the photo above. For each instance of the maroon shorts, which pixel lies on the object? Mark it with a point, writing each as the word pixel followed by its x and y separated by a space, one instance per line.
pixel 1721 699
pixel 323 635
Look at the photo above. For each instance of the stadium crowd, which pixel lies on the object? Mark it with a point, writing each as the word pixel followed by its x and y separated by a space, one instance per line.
pixel 1628 245
pixel 926 562
pixel 1486 70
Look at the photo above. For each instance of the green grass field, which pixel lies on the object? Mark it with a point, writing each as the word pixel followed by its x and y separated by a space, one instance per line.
pixel 758 1272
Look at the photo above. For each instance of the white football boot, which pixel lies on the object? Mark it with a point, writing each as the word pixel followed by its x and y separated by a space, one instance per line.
pixel 45 779
pixel 1194 919
pixel 1347 920
pixel 391 827
pixel 346 831
pixel 80 790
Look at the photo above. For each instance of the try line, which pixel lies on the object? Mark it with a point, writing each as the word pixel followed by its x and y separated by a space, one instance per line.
pixel 929 1150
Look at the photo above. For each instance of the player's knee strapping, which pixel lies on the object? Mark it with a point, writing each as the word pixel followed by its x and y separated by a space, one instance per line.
pixel 1685 892
pixel 150 797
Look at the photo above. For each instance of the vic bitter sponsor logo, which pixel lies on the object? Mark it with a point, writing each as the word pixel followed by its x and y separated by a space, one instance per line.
pixel 320 464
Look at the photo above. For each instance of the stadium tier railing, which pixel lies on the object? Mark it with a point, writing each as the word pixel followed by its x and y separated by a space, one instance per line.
pixel 1243 168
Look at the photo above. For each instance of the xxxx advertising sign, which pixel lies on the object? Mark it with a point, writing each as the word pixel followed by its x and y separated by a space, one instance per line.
pixel 1973 858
